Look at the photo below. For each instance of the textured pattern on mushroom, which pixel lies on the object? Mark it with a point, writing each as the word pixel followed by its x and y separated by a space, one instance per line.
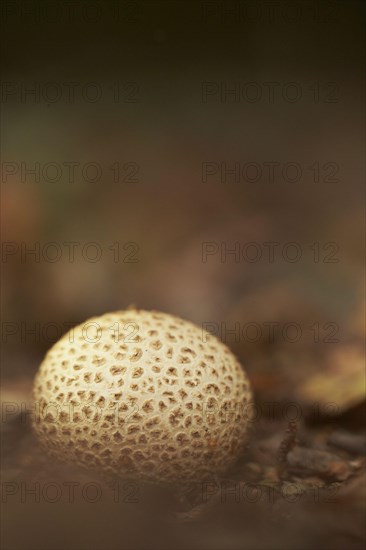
pixel 142 395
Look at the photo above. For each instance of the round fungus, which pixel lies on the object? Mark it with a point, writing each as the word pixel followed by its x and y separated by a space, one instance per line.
pixel 142 395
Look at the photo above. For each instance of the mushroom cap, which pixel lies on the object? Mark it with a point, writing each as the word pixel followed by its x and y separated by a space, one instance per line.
pixel 142 395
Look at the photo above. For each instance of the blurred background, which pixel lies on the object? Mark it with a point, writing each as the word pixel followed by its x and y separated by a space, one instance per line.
pixel 122 123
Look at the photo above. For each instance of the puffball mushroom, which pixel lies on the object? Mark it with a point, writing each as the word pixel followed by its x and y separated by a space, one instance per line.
pixel 142 395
